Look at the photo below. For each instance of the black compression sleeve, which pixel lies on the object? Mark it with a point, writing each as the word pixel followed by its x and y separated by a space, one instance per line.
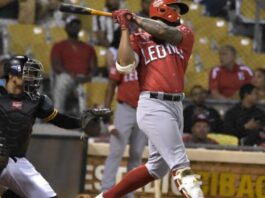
pixel 66 122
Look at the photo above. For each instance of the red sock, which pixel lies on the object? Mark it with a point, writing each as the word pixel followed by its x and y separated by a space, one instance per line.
pixel 133 180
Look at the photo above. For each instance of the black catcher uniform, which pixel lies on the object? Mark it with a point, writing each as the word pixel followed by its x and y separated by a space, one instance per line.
pixel 17 116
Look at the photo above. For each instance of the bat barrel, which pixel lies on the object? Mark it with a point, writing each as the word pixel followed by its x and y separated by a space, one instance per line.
pixel 74 9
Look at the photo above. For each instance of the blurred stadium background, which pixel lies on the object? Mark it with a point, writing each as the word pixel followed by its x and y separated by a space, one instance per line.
pixel 239 22
pixel 242 25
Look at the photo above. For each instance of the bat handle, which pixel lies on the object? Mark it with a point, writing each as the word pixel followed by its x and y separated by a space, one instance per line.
pixel 101 13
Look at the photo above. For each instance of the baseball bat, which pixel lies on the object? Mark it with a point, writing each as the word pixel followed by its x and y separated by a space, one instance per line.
pixel 75 9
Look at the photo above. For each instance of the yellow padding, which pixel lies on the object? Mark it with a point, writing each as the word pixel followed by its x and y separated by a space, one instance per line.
pixel 224 139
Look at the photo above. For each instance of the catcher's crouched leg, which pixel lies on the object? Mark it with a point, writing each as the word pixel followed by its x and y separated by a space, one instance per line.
pixel 4 153
pixel 10 194
pixel 188 183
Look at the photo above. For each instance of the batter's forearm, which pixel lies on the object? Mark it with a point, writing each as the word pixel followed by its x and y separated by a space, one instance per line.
pixel 159 29
pixel 125 51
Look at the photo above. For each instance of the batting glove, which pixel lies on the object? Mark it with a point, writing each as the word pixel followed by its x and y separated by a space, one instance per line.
pixel 123 17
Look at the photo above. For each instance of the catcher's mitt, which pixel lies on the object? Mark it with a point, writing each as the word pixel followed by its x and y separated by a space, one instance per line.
pixel 91 120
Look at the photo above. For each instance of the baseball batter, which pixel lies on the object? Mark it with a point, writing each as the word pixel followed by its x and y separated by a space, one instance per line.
pixel 160 55
pixel 125 129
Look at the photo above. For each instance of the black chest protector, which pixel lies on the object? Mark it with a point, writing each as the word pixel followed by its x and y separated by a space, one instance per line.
pixel 17 116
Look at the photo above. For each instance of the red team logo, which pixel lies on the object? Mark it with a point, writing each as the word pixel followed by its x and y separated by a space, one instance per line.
pixel 155 52
pixel 131 76
pixel 16 105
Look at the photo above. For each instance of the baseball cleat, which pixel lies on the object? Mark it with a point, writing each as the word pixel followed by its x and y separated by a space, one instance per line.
pixel 189 183
pixel 100 196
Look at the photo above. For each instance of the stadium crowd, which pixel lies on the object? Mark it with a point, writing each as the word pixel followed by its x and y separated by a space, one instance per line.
pixel 225 92
pixel 77 62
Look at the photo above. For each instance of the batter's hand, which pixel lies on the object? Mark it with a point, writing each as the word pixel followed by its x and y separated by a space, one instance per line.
pixel 123 17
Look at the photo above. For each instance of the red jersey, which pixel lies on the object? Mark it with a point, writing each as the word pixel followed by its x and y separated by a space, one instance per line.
pixel 128 86
pixel 162 65
pixel 227 82
pixel 75 57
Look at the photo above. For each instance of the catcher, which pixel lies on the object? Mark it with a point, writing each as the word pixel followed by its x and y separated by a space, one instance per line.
pixel 20 105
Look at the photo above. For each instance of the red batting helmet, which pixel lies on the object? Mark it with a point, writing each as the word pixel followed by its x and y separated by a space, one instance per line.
pixel 160 9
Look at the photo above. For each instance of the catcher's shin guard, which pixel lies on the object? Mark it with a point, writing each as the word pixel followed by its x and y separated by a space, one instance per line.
pixel 188 183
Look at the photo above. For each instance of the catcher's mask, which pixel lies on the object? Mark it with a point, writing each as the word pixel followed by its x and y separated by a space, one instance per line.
pixel 32 76
pixel 160 9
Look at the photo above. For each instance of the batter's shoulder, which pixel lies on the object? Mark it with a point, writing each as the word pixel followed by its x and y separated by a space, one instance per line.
pixel 185 29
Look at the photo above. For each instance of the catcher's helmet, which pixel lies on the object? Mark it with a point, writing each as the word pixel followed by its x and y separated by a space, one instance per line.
pixel 15 65
pixel 29 69
pixel 160 9
pixel 32 76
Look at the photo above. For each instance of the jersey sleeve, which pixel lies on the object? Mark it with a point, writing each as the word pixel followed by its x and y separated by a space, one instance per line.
pixel 213 79
pixel 186 44
pixel 134 44
pixel 187 39
pixel 46 110
pixel 114 74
